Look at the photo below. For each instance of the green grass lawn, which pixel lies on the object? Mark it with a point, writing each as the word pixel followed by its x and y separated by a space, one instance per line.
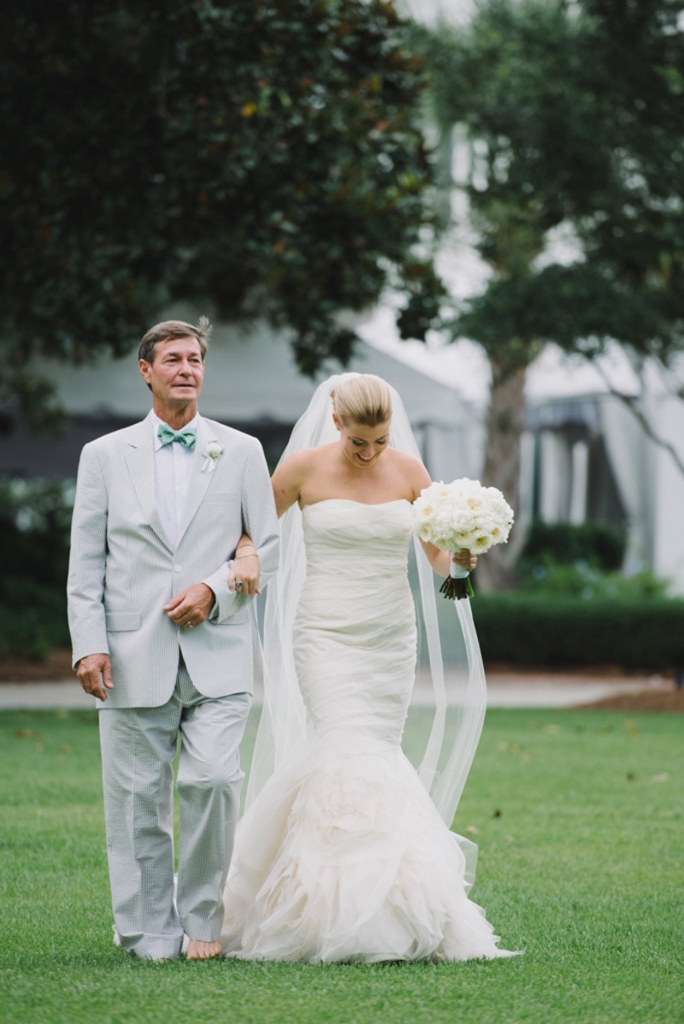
pixel 579 822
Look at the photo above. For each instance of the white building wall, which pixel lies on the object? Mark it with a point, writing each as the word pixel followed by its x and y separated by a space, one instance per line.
pixel 251 374
pixel 668 497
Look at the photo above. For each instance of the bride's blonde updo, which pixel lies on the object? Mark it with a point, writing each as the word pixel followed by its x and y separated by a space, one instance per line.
pixel 364 399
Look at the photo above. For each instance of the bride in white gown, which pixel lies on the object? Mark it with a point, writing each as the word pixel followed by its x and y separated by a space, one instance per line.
pixel 342 855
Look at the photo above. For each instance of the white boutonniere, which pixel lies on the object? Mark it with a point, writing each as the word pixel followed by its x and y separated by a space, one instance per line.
pixel 212 453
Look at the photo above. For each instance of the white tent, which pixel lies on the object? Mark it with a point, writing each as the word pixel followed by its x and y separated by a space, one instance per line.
pixel 643 448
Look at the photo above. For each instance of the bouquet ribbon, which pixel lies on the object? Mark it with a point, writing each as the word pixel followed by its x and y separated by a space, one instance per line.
pixel 457 585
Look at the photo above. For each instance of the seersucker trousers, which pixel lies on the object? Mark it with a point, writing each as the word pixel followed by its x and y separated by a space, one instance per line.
pixel 138 748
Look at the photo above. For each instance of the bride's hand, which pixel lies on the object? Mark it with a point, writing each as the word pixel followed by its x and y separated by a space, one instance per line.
pixel 465 559
pixel 245 571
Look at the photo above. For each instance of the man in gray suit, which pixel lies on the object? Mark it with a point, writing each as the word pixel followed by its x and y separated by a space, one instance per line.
pixel 173 521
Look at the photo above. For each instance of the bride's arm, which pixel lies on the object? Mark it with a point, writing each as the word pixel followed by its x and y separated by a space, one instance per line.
pixel 286 486
pixel 438 559
pixel 288 479
pixel 245 567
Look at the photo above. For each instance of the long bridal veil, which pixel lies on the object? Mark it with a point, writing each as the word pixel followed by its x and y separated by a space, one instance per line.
pixel 458 699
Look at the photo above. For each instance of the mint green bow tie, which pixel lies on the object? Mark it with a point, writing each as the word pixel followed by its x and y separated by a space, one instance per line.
pixel 185 436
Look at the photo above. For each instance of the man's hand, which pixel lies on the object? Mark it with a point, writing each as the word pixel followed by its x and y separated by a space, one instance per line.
pixel 93 671
pixel 191 606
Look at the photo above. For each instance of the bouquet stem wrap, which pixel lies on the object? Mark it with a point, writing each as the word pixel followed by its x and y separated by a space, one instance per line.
pixel 457 585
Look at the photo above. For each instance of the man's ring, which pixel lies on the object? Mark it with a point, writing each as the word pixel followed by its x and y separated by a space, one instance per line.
pixel 189 625
pixel 238 583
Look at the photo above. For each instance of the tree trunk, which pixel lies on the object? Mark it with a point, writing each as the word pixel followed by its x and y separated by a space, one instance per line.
pixel 505 422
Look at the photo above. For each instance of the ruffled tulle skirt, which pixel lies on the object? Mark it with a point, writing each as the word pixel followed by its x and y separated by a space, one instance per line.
pixel 343 857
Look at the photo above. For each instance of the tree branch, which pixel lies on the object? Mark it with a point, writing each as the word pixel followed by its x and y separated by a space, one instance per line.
pixel 630 401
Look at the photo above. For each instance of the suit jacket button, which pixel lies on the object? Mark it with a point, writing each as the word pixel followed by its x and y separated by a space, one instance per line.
pixel 176 568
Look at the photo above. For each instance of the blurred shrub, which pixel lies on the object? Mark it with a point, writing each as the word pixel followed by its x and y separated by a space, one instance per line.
pixel 533 630
pixel 35 518
pixel 560 559
pixel 596 544
pixel 583 581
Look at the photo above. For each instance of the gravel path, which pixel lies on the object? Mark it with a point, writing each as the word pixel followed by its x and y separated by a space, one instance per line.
pixel 505 690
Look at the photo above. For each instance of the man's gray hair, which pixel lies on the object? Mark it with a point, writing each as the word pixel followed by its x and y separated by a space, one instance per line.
pixel 174 329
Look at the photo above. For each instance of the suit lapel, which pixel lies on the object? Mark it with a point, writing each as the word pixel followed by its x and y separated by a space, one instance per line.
pixel 140 461
pixel 199 481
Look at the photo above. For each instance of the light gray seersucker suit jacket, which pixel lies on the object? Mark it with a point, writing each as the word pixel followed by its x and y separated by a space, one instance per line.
pixel 123 569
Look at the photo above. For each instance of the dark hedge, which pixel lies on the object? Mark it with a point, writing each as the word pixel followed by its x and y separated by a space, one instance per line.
pixel 33 618
pixel 565 633
pixel 34 557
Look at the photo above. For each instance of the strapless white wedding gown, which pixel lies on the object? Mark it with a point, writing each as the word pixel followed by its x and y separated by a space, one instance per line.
pixel 343 856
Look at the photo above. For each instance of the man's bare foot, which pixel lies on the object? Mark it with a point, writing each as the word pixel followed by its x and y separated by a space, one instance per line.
pixel 198 950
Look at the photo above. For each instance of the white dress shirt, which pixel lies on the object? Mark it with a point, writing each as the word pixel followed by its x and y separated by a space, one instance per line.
pixel 172 465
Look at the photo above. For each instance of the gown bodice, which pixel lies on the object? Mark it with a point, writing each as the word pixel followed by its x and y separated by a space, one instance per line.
pixel 354 635
pixel 357 540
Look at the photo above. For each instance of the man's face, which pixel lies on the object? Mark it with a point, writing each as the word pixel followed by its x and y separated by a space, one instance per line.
pixel 177 372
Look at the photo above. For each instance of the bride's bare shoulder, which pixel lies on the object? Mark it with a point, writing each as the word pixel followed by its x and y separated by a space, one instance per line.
pixel 412 469
pixel 305 459
pixel 407 462
pixel 292 476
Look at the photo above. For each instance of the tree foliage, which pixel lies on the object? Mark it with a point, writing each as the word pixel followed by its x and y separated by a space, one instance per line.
pixel 265 155
pixel 575 115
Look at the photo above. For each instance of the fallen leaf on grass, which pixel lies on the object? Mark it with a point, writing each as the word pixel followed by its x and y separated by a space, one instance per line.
pixel 631 777
pixel 496 814
pixel 553 730
pixel 65 748
pixel 471 830
pixel 662 777
pixel 26 734
pixel 632 728
pixel 502 745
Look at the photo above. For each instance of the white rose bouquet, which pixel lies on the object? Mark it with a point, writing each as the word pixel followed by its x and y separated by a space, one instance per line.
pixel 462 516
